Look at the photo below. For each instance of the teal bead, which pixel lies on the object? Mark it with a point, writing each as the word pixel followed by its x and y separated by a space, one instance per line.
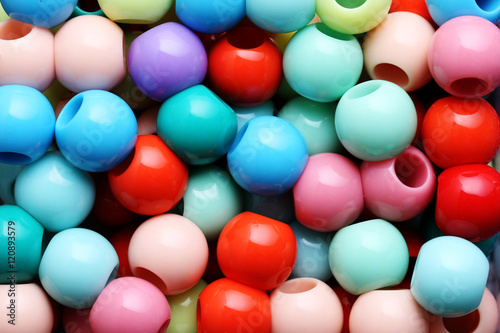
pixel 368 255
pixel 20 246
pixel 197 125
pixel 315 121
pixel 244 114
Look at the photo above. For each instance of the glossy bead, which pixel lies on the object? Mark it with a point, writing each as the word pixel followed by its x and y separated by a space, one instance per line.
pixel 244 114
pixel 112 311
pixel 396 50
pixel 376 120
pixel 368 255
pixel 256 250
pixel 322 64
pixel 54 192
pixel 228 306
pixel 197 125
pixel 477 185
pixel 461 56
pixel 279 15
pixel 3 14
pixel 328 195
pixel 152 180
pixel 352 17
pixel 42 14
pixel 76 266
pixel 460 131
pixel 442 11
pixel 305 305
pixel 315 121
pixel 387 311
pixel 30 309
pixel 27 124
pixel 399 188
pixel 277 207
pixel 128 11
pixel 166 59
pixel 449 276
pixel 27 55
pixel 8 175
pixel 210 17
pixel 267 156
pixel 169 251
pixel 183 307
pixel 418 7
pixel 244 67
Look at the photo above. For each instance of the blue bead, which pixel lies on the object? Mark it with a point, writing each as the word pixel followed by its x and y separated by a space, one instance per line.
pixel 47 14
pixel 444 10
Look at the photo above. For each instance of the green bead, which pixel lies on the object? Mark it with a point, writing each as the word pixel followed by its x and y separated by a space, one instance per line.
pixel 183 308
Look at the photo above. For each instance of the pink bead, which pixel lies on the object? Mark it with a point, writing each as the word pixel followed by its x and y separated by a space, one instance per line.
pixel 463 56
pixel 328 194
pixel 129 305
pixel 27 55
pixel 305 305
pixel 169 251
pixel 396 50
pixel 90 53
pixel 399 188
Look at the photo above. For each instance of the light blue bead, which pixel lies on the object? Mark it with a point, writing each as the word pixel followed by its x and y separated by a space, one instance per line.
pixel 47 14
pixel 444 10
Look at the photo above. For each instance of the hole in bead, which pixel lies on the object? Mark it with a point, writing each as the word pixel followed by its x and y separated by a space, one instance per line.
pixel 120 169
pixel 364 89
pixel 88 6
pixel 392 73
pixel 12 29
pixel 147 275
pixel 164 327
pixel 351 3
pixel 69 111
pixel 488 5
pixel 246 38
pixel 469 87
pixel 463 324
pixel 297 286
pixel 14 158
pixel 323 28
pixel 408 172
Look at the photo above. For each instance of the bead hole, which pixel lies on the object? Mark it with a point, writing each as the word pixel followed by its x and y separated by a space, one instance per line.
pixel 246 38
pixel 488 5
pixel 14 158
pixel 469 87
pixel 411 170
pixel 12 29
pixel 88 6
pixel 297 286
pixel 323 28
pixel 463 324
pixel 350 3
pixel 392 73
pixel 69 111
pixel 147 275
pixel 362 90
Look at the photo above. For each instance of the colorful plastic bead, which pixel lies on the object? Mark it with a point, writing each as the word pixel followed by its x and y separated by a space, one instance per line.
pixel 183 307
pixel 442 11
pixel 3 14
pixel 128 11
pixel 47 14
pixel 418 7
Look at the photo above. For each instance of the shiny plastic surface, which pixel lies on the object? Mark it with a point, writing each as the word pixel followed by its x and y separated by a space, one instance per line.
pixel 418 7
pixel 442 11
pixel 40 13
pixel 135 12
pixel 183 307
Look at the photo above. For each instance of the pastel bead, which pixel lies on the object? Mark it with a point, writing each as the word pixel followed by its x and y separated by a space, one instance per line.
pixel 210 17
pixel 244 114
pixel 3 15
pixel 328 195
pixel 112 310
pixel 352 17
pixel 166 59
pixel 197 125
pixel 305 305
pixel 399 188
pixel 396 50
pixel 76 266
pixel 27 55
pixel 322 64
pixel 450 276
pixel 387 311
pixel 183 308
pixel 89 53
pixel 27 124
pixel 451 56
pixel 169 251
pixel 8 175
pixel 145 12
pixel 376 120
pixel 267 156
pixel 442 11
pixel 368 255
pixel 54 192
pixel 39 13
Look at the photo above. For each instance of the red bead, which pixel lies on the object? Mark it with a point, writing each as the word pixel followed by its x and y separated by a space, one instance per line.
pixel 460 131
pixel 414 6
pixel 152 180
pixel 120 241
pixel 229 306
pixel 468 202
pixel 257 250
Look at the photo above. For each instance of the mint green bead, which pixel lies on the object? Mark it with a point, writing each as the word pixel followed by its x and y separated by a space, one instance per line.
pixel 368 255
pixel 183 308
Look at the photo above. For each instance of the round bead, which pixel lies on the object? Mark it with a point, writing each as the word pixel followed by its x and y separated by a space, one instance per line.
pixel 27 55
pixel 3 14
pixel 27 124
pixel 47 14
pixel 460 131
pixel 305 305
pixel 169 251
pixel 151 180
pixel 267 156
pixel 450 276
pixel 400 188
pixel 244 114
pixel 368 255
pixel 396 50
pixel 322 64
pixel 76 266
pixel 128 11
pixel 96 130
pixel 228 306
pixel 477 185
pixel 352 17
pixel 328 195
pixel 54 192
pixel 256 250
pixel 442 11
pixel 462 56
pixel 112 311
pixel 197 125
pixel 166 59
pixel 244 67
pixel 376 120
pixel 89 53
pixel 418 7
pixel 183 307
